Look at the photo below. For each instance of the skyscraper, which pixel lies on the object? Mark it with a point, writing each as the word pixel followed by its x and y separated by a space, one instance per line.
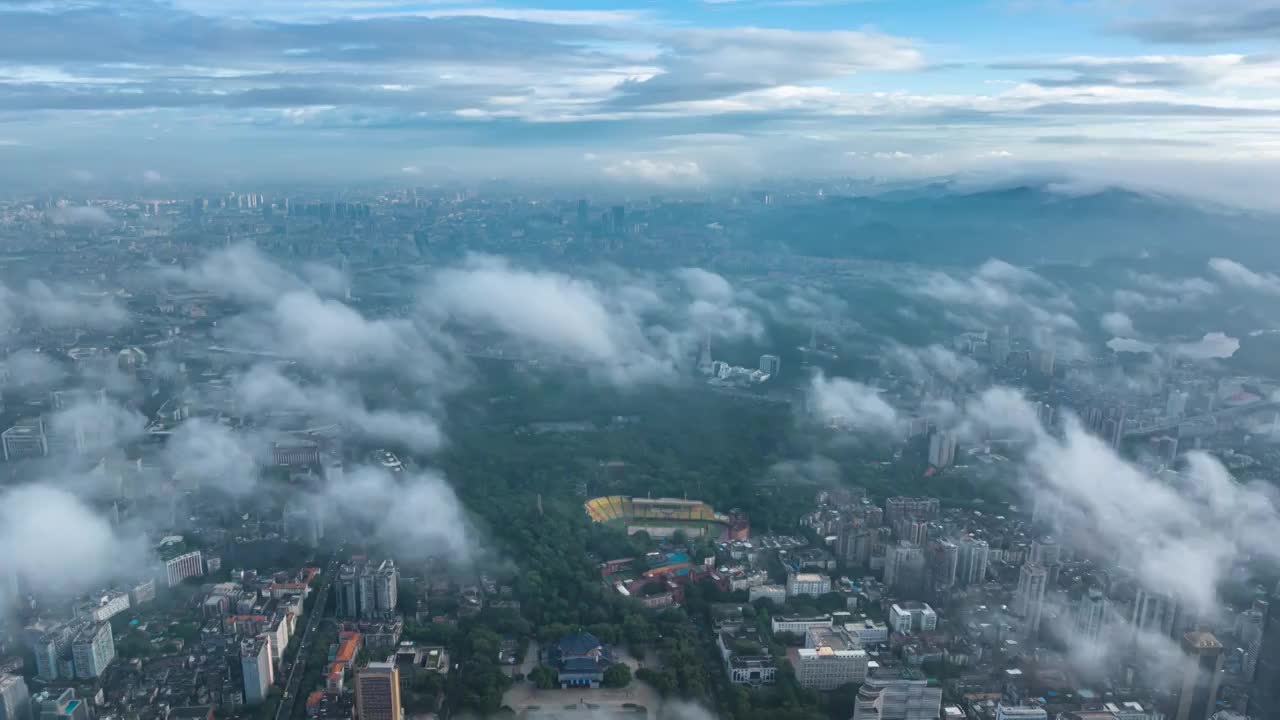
pixel 1090 615
pixel 1264 695
pixel 93 648
pixel 942 449
pixel 971 567
pixel 367 591
pixel 771 364
pixel 255 663
pixel 904 568
pixel 1153 613
pixel 378 692
pixel 15 700
pixel 1029 603
pixel 1202 669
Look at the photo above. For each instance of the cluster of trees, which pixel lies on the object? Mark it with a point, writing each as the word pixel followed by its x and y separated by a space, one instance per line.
pixel 524 491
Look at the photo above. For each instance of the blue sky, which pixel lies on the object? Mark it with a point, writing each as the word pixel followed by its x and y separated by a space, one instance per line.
pixel 1175 94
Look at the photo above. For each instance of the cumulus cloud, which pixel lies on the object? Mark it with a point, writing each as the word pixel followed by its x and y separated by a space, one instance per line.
pixel 331 336
pixel 290 316
pixel 627 331
pixel 1130 345
pixel 31 369
pixel 1119 324
pixel 1237 275
pixel 417 514
pixel 95 425
pixel 1214 345
pixel 59 306
pixel 1178 533
pixel 848 404
pixel 239 272
pixel 1000 293
pixel 264 389
pixel 88 215
pixel 83 553
pixel 214 455
pixel 657 172
pixel 934 360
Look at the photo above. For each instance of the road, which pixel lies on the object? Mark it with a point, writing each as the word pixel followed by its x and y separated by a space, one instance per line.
pixel 284 710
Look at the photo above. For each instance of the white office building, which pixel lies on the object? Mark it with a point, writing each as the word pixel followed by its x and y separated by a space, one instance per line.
pixel 770 364
pixel 897 694
pixel 807 584
pixel 1018 712
pixel 92 650
pixel 109 605
pixel 912 617
pixel 255 662
pixel 799 625
pixel 15 699
pixel 826 668
pixel 775 594
pixel 183 566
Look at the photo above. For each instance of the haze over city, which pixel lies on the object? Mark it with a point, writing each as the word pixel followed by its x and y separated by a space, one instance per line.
pixel 718 360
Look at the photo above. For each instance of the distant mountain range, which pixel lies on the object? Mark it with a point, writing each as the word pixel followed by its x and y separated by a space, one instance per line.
pixel 1027 224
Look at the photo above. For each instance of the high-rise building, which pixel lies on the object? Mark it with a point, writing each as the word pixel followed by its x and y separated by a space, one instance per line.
pixel 904 568
pixel 25 440
pixel 1197 690
pixel 971 568
pixel 15 700
pixel 1249 628
pixel 255 663
pixel 897 693
pixel 92 649
pixel 1029 602
pixel 181 567
pixel 1176 407
pixel 896 508
pixel 771 364
pixel 1046 552
pixel 1264 695
pixel 853 543
pixel 1090 615
pixel 378 692
pixel 912 617
pixel 1042 360
pixel 52 649
pixel 942 449
pixel 1153 614
pixel 347 591
pixel 944 564
pixel 367 591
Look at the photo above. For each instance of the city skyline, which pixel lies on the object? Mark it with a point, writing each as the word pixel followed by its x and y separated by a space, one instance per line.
pixel 1171 96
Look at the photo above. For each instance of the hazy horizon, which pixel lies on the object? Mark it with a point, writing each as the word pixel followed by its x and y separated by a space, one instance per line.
pixel 1168 96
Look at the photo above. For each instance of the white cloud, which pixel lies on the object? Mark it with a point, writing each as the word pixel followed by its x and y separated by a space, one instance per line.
pixel 1214 345
pixel 1233 273
pixel 263 389
pixel 1118 323
pixel 417 514
pixel 847 404
pixel 623 330
pixel 1179 534
pixel 658 172
pixel 83 553
pixel 89 215
pixel 214 455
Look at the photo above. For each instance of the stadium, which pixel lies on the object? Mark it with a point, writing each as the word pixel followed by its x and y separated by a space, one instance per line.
pixel 662 517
